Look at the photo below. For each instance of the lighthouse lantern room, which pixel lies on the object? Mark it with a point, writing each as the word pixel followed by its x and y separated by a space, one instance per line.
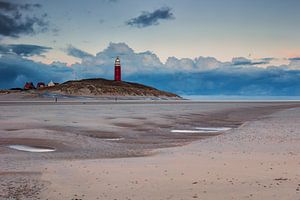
pixel 117 69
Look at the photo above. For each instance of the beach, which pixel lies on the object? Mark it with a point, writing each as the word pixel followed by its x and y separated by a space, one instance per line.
pixel 150 150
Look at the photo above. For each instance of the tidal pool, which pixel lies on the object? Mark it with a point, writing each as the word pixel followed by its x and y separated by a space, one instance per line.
pixel 34 149
pixel 203 130
pixel 112 139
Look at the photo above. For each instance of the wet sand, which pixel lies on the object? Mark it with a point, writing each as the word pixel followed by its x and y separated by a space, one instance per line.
pixel 127 151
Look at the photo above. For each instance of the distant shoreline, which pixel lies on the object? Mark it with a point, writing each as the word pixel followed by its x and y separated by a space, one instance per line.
pixel 157 102
pixel 240 98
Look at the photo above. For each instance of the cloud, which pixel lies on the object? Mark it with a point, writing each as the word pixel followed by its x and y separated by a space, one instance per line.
pixel 202 75
pixel 151 18
pixel 268 59
pixel 75 52
pixel 295 59
pixel 17 19
pixel 26 50
pixel 146 62
pixel 244 61
pixel 294 63
pixel 198 64
pixel 143 62
pixel 16 70
pixel 7 6
pixel 236 81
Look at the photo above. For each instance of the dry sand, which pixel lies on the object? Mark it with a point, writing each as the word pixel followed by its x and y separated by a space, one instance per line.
pixel 257 159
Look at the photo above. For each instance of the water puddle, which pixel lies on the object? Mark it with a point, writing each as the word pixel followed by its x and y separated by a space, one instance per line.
pixel 213 129
pixel 31 148
pixel 112 139
pixel 203 130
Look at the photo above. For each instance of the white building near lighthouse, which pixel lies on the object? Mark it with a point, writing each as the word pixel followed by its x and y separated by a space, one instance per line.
pixel 51 84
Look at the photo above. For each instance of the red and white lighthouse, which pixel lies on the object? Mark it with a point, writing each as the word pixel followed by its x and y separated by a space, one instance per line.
pixel 117 69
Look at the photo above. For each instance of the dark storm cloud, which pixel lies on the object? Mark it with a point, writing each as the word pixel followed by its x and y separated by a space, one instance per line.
pixel 17 19
pixel 30 6
pixel 24 49
pixel 151 18
pixel 16 70
pixel 236 81
pixel 7 6
pixel 75 52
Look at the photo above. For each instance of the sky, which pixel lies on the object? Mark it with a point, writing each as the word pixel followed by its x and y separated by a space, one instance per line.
pixel 73 39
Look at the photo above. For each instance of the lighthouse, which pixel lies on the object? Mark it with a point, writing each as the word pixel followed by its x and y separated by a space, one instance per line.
pixel 117 69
